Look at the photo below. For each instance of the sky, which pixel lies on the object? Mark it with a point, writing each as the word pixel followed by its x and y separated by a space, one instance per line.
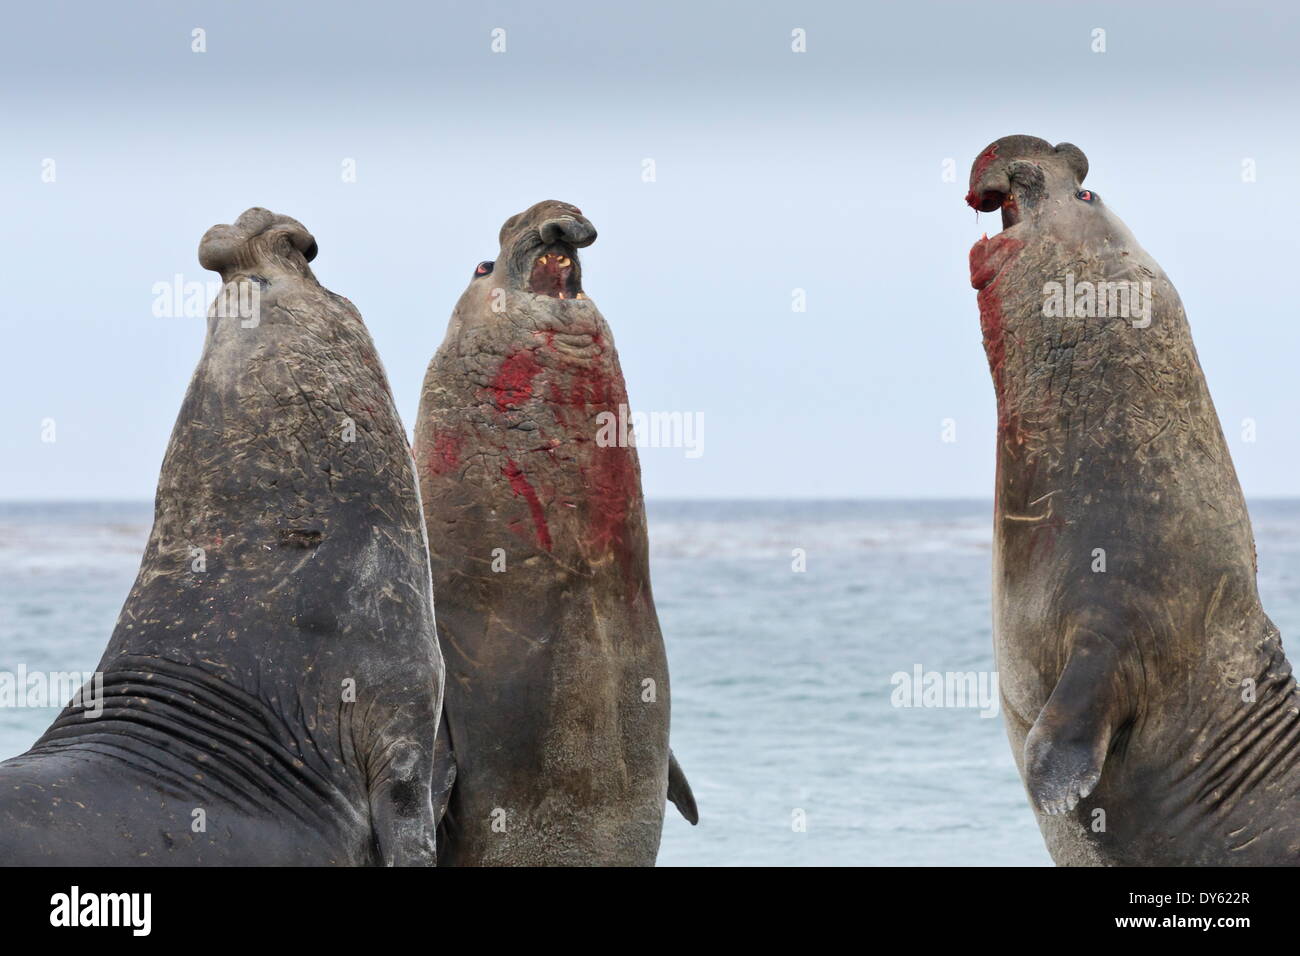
pixel 838 171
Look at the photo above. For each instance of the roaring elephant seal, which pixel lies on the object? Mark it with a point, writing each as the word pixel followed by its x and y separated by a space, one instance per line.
pixel 272 687
pixel 556 715
pixel 1150 707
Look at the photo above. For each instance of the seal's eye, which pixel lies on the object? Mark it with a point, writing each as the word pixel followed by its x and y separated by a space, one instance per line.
pixel 484 268
pixel 1086 195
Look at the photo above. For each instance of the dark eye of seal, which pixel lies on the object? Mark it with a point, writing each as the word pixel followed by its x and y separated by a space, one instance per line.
pixel 484 268
pixel 1086 195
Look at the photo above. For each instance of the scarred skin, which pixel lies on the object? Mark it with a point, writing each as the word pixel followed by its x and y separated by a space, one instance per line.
pixel 226 686
pixel 557 706
pixel 1126 690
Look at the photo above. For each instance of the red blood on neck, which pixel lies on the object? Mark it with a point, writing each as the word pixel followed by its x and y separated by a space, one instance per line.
pixel 519 484
pixel 988 259
pixel 513 384
pixel 444 455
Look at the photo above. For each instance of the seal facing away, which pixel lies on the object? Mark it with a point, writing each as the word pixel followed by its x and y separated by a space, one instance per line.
pixel 1150 707
pixel 271 687
pixel 556 712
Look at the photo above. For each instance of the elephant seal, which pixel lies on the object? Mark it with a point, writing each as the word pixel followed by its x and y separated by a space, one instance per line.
pixel 1149 704
pixel 272 687
pixel 556 715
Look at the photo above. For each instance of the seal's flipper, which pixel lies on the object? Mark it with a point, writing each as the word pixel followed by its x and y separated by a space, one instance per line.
pixel 679 791
pixel 1067 745
pixel 444 772
pixel 401 806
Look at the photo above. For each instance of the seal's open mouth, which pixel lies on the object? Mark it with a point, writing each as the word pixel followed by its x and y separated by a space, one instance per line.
pixel 991 199
pixel 988 256
pixel 556 274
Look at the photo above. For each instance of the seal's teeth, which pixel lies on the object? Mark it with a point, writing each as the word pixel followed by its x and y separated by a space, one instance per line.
pixel 565 261
pixel 582 295
pixel 561 295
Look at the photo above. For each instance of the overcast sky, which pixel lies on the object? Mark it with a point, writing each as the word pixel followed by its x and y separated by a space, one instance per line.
pixel 775 171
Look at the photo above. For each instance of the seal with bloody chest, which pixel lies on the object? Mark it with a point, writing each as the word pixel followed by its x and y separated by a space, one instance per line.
pixel 1149 703
pixel 557 706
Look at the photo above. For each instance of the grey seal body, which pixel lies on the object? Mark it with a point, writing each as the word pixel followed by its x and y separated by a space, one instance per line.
pixel 1149 704
pixel 557 707
pixel 273 683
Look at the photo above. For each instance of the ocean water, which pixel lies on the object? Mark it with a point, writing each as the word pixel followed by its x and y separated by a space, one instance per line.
pixel 781 679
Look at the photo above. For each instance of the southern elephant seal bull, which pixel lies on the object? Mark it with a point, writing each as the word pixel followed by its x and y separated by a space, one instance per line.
pixel 272 686
pixel 1150 707
pixel 557 693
